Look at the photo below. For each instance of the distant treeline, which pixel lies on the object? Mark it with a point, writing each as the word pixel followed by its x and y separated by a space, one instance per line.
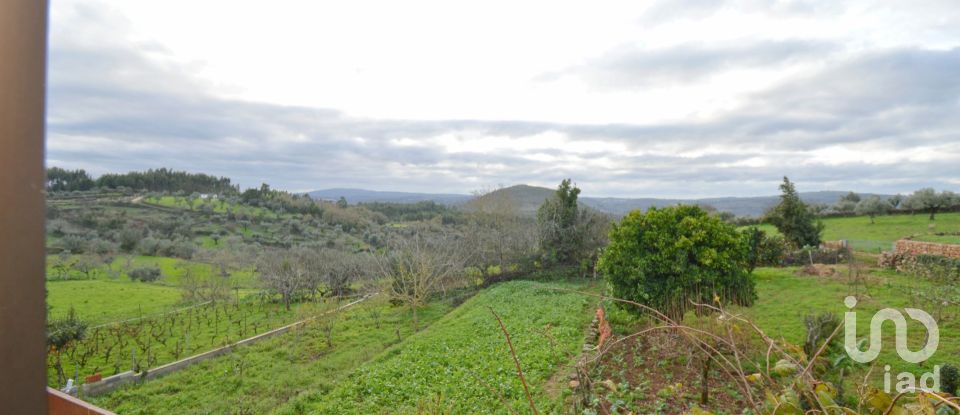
pixel 425 210
pixel 154 180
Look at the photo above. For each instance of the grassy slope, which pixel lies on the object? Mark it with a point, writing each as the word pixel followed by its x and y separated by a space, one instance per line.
pixel 467 345
pixel 262 377
pixel 785 298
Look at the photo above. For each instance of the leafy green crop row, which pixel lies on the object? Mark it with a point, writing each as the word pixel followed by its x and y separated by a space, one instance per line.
pixel 464 361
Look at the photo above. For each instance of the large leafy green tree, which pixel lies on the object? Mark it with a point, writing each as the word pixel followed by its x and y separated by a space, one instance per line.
pixel 793 219
pixel 672 257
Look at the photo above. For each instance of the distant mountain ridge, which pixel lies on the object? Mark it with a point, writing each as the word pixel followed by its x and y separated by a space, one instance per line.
pixel 368 196
pixel 529 199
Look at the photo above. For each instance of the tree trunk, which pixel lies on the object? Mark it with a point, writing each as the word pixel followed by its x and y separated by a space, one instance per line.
pixel 705 381
pixel 932 212
pixel 416 322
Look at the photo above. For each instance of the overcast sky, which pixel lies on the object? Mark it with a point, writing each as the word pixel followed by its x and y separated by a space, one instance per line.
pixel 679 98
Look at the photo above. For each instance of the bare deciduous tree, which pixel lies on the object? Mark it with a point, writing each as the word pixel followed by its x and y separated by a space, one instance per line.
pixel 500 234
pixel 287 273
pixel 418 266
pixel 340 269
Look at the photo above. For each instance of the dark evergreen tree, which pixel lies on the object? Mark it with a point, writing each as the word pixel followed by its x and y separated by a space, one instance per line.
pixel 794 220
pixel 557 223
pixel 59 180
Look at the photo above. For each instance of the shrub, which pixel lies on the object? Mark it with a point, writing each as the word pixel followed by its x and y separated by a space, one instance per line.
pixel 765 250
pixel 145 274
pixel 949 379
pixel 819 328
pixel 934 267
pixel 666 258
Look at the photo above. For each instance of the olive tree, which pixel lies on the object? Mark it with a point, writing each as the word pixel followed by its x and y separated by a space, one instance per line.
pixel 896 200
pixel 873 206
pixel 668 258
pixel 928 199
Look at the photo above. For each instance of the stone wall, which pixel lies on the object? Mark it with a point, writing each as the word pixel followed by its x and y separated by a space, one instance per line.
pixel 913 248
pixel 839 244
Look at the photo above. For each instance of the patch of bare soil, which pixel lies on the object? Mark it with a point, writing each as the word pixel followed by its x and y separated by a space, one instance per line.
pixel 822 270
pixel 659 373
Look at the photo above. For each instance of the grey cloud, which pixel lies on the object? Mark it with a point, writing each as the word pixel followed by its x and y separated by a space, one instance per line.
pixel 873 83
pixel 630 67
pixel 144 112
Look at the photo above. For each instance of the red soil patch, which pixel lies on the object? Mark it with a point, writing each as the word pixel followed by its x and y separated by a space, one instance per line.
pixel 659 373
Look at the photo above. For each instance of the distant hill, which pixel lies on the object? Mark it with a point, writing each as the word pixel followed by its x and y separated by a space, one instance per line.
pixel 365 196
pixel 529 198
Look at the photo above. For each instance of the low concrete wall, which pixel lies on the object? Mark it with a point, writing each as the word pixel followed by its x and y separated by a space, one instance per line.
pixel 109 384
pixel 914 248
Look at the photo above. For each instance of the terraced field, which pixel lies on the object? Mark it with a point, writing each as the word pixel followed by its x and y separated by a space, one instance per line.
pixel 458 363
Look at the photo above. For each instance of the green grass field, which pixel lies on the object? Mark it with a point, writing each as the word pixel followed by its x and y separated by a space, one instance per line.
pixel 103 298
pixel 785 298
pixel 171 269
pixel 100 301
pixel 464 356
pixel 266 376
pixel 871 237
